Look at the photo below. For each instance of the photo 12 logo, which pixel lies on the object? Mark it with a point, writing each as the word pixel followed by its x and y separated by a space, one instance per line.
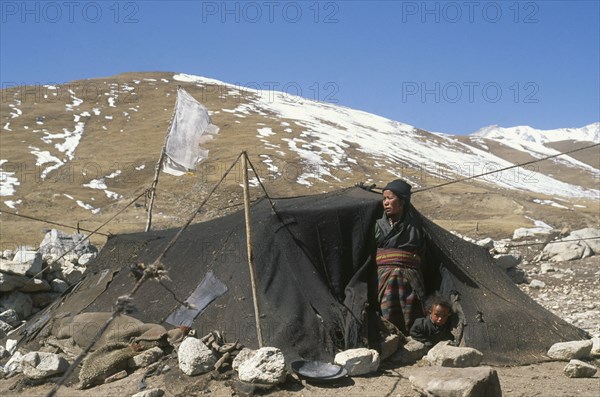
pixel 69 11
pixel 469 91
pixel 469 11
pixel 270 11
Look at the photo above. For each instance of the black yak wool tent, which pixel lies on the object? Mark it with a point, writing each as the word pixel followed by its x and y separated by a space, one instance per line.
pixel 315 271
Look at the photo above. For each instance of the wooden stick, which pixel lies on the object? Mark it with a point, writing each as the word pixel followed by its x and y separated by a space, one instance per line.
pixel 249 249
pixel 158 167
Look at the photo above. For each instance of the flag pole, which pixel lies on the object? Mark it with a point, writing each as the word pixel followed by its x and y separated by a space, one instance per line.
pixel 249 249
pixel 159 164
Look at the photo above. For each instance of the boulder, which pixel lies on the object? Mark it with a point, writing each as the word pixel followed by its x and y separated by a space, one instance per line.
pixel 544 230
pixel 242 356
pixel 456 382
pixel 566 351
pixel 590 236
pixel 194 357
pixel 14 363
pixel 9 267
pixel 579 369
pixel 21 303
pixel 565 251
pixel 32 259
pixel 56 243
pixel 506 261
pixel 411 352
pixel 146 358
pixel 595 353
pixel 359 361
pixel 40 365
pixel 445 355
pixel 266 366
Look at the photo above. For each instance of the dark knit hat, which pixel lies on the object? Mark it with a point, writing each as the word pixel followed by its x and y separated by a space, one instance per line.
pixel 400 189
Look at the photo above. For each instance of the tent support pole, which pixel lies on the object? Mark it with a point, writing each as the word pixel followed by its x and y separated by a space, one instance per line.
pixel 249 249
pixel 159 166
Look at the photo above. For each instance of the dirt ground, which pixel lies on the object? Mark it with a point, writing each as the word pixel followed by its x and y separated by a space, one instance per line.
pixel 572 292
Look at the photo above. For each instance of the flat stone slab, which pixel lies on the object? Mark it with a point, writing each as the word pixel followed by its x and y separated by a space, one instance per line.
pixel 456 382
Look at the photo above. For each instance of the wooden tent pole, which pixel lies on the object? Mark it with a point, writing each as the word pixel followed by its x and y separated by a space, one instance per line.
pixel 249 248
pixel 159 165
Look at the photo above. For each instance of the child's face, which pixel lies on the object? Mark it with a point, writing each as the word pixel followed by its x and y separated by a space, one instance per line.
pixel 439 315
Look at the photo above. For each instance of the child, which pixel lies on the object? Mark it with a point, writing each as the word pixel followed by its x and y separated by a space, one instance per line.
pixel 436 327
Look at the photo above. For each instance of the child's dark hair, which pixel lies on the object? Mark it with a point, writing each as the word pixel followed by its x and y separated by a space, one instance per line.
pixel 438 300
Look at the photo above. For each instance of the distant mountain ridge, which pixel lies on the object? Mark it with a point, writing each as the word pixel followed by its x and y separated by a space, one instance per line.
pixel 588 133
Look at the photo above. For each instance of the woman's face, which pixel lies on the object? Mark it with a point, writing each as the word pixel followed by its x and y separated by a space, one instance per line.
pixel 392 204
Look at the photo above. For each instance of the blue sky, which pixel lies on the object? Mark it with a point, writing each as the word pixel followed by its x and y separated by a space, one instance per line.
pixel 450 66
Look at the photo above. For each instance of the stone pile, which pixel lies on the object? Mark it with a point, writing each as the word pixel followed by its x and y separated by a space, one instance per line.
pixel 31 279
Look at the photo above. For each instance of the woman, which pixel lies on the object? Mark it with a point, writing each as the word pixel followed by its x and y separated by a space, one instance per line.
pixel 399 244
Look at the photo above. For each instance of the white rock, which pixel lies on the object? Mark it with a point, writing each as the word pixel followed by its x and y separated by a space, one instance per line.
pixel 267 366
pixel 8 254
pixel 589 236
pixel 147 357
pixel 595 353
pixel 39 365
pixel 242 356
pixel 532 232
pixel 57 243
pixel 11 346
pixel 9 267
pixel 194 357
pixel 486 243
pixel 566 351
pixel 565 251
pixel 72 274
pixel 579 369
pixel 456 382
pixel 85 258
pixel 445 355
pixel 537 284
pixel 150 393
pixel 506 261
pixel 359 361
pixel 31 258
pixel 14 363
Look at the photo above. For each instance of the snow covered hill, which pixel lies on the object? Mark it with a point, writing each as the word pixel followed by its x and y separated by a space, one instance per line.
pixel 86 148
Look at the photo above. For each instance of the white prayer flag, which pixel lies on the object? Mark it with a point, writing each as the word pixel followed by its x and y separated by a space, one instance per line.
pixel 191 127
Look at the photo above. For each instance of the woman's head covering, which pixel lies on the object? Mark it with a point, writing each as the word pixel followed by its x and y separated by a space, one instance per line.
pixel 400 189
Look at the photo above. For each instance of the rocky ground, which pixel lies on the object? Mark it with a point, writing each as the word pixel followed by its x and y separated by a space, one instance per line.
pixel 571 290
